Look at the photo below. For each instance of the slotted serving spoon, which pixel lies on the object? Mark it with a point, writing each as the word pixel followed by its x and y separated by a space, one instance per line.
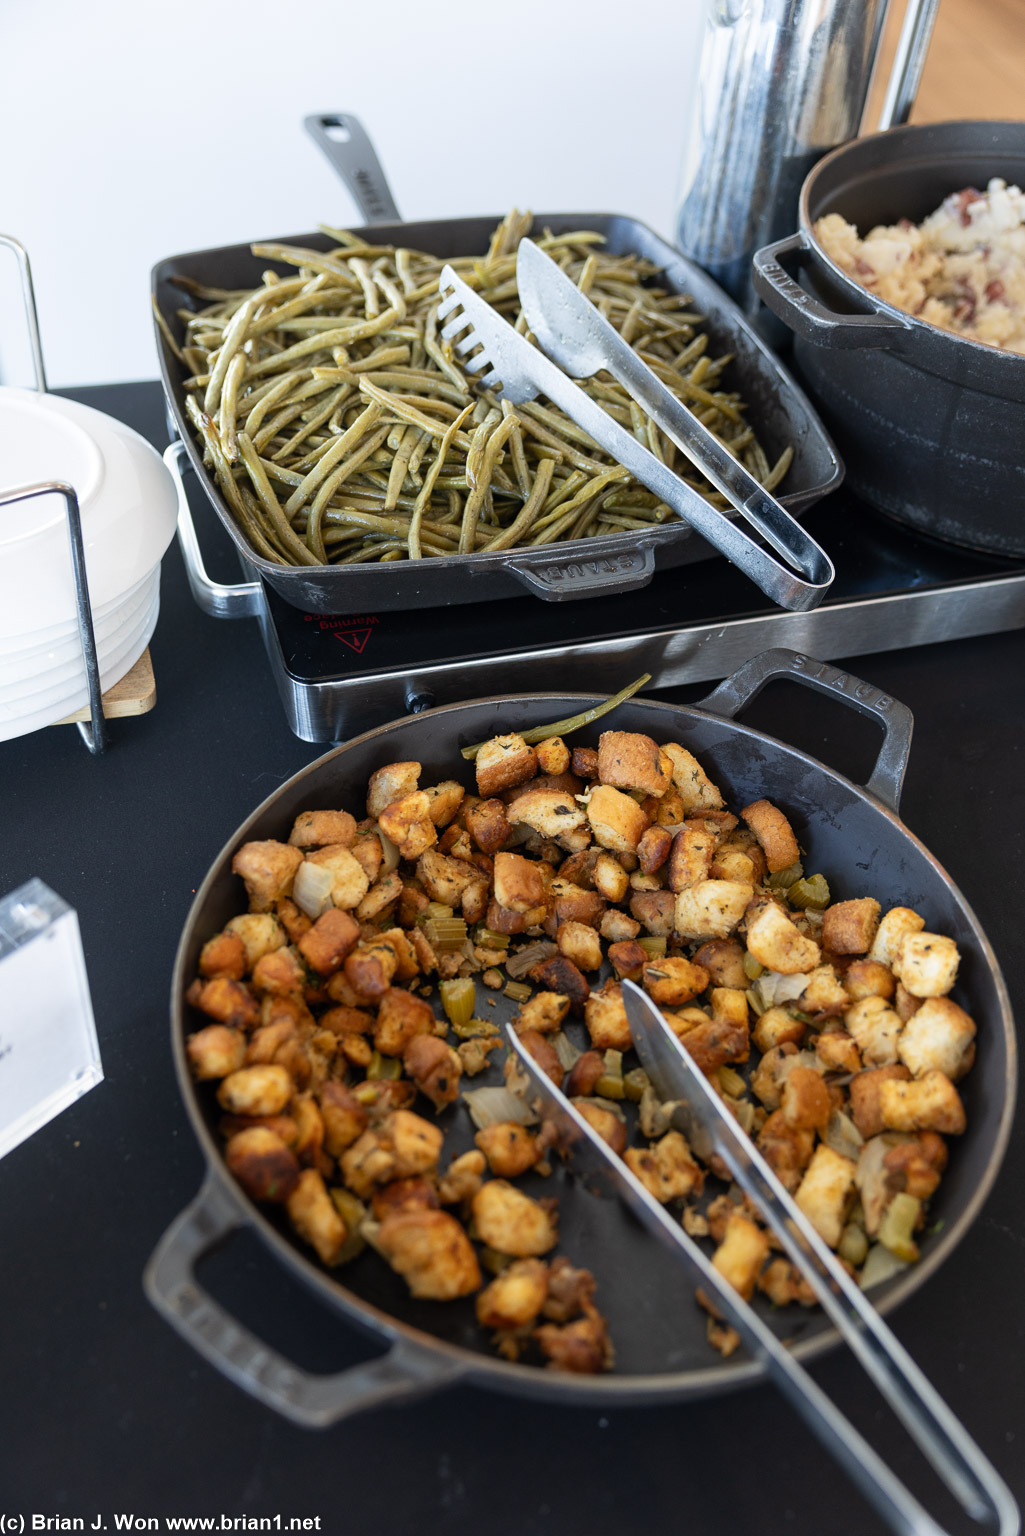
pixel 517 371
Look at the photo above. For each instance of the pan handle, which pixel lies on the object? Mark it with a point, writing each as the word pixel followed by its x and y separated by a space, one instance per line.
pixel 347 145
pixel 241 601
pixel 805 314
pixel 312 1401
pixel 557 579
pixel 887 777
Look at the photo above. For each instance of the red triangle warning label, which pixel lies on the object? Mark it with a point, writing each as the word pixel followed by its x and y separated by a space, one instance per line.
pixel 356 639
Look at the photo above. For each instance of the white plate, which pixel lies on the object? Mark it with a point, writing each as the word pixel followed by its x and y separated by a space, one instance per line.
pixel 126 496
pixel 43 637
pixel 12 725
pixel 40 667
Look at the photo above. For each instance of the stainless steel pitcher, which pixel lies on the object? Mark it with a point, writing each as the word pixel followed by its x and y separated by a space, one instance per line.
pixel 781 83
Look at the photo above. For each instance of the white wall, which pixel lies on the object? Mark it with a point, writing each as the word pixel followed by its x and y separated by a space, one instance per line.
pixel 132 130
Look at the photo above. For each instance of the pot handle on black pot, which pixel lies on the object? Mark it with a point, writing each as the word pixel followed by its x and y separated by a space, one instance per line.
pixel 887 777
pixel 312 1401
pixel 806 315
pixel 347 145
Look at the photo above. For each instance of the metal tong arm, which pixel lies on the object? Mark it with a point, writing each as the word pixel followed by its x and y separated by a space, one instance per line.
pixel 702 447
pixel 710 1127
pixel 775 580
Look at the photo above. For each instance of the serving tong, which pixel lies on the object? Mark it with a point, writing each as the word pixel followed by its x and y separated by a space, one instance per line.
pixel 582 341
pixel 710 1129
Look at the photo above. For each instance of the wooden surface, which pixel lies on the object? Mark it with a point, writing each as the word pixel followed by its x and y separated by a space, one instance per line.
pixel 975 67
pixel 135 694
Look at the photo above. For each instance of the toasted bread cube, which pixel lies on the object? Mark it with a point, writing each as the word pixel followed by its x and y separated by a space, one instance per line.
pixel 741 1254
pixel 511 1222
pixel 826 1192
pixel 389 784
pixel 825 994
pixel 848 927
pixel 260 933
pixel 868 978
pixel 551 812
pixel 368 851
pixel 415 1142
pixel 929 1103
pixel 695 788
pixel 711 1043
pixel 434 1067
pixel 407 823
pixel 653 849
pixel 611 880
pixel 837 1051
pixel 572 905
pixel 628 958
pixel 224 955
pixel 445 800
pixel 544 1012
pixel 316 829
pixel 581 944
pixel 866 1109
pixel 344 1118
pixel 712 909
pixel 628 760
pixel 655 910
pixel 729 1006
pixel 509 1148
pixel 229 1002
pixel 519 883
pixel 617 927
pixel 616 819
pixel 926 964
pixel 350 883
pixel 777 1026
pixel 268 869
pixel 488 824
pixel 805 1100
pixel 463 1177
pixel 315 1217
pixel 605 1017
pixel 723 959
pixel 690 858
pixel 333 936
pixel 606 1123
pixel 562 975
pixel 732 863
pixel 265 1167
pixel 876 1029
pixel 938 1037
pixel 786 1149
pixel 667 1168
pixel 215 1052
pixel 774 833
pixel 778 944
pixel 400 1017
pixel 379 898
pixel 553 755
pixel 769 1080
pixel 502 762
pixel 443 878
pixel 431 1252
pixel 890 934
pixel 673 981
pixel 262 1090
pixel 515 1297
pixel 369 970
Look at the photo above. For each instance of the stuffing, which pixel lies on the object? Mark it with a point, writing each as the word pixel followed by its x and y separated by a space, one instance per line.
pixel 400 1018
pixel 653 849
pixel 690 858
pixel 462 1179
pixel 407 823
pixel 826 1192
pixel 265 1167
pixel 627 760
pixel 667 1168
pixel 837 1052
pixel 314 1216
pixel 390 784
pixel 444 801
pixel 224 955
pixel 674 981
pixel 260 933
pixel 786 1149
pixel 488 824
pixel 344 1118
pixel 268 870
pixel 434 1067
pixel 868 978
pixel 938 1037
pixel 515 1297
pixel 605 1017
pixel 774 833
pixel 431 1252
pixel 581 944
pixel 875 1029
pixel 582 1347
pixel 315 829
pixel 723 959
pixel 511 1222
pixel 350 882
pixel 848 927
pixel 519 884
pixel 696 790
pixel 655 911
pixel 262 1090
pixel 551 812
pixel 604 1122
pixel 825 995
pixel 926 964
pixel 610 879
pixel 713 1043
pixel 616 819
pixel 380 898
pixel 805 1100
pixel 502 762
pixel 929 1103
pixel 553 755
pixel 443 878
pixel 562 975
pixel 617 927
pixel 510 1149
pixel 544 1012
pixel 890 934
pixel 574 905
pixel 777 943
pixel 215 1052
pixel 712 909
pixel 741 1254
pixel 325 946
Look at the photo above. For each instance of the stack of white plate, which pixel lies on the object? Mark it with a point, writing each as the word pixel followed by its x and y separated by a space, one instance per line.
pixel 128 507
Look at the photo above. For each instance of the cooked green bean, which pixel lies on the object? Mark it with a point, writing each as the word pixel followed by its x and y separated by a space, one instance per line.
pixel 332 389
pixel 574 722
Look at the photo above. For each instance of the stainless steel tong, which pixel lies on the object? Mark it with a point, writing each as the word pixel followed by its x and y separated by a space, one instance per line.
pixel 515 369
pixel 710 1128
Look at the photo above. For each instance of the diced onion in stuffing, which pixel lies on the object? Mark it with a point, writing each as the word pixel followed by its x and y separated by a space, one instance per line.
pixel 497 1106
pixel 311 889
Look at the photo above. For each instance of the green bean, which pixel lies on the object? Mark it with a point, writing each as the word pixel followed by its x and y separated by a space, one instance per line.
pixel 574 722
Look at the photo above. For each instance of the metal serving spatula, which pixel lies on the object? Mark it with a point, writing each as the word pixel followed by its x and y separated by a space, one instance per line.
pixel 516 370
pixel 574 334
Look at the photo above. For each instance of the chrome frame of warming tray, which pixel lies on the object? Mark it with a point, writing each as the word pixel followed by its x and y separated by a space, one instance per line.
pixel 333 709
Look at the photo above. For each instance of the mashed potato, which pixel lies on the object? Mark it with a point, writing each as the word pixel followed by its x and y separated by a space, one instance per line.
pixel 962 268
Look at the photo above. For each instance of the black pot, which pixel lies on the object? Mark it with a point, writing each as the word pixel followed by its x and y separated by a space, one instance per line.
pixel 852 834
pixel 928 422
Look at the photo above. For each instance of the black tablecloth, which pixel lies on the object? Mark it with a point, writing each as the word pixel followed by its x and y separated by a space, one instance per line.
pixel 106 1412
